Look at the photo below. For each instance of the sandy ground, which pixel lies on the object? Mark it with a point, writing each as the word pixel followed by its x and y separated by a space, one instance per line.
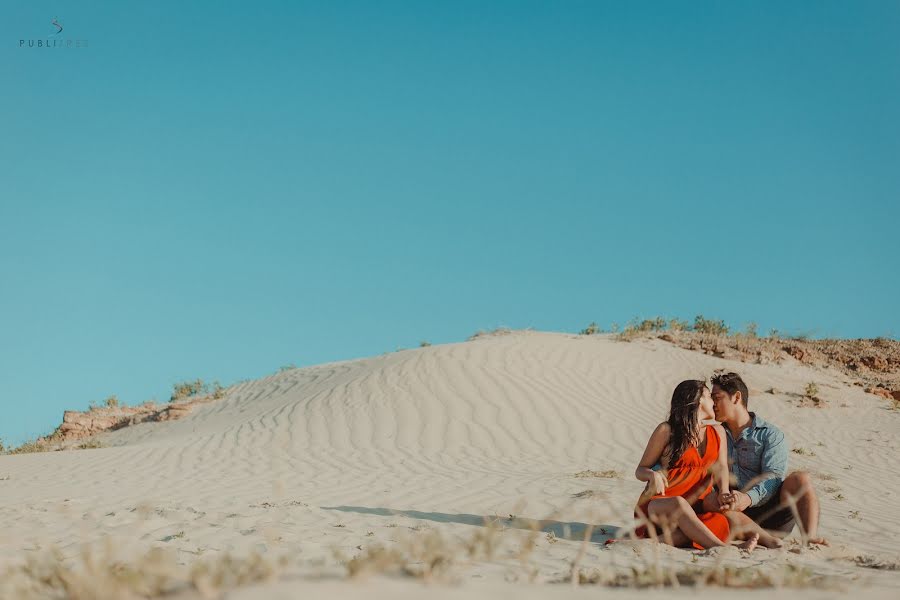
pixel 321 463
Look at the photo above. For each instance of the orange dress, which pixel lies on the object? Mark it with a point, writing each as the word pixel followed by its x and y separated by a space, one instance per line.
pixel 688 475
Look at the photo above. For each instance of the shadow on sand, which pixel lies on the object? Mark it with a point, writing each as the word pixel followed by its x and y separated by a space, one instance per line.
pixel 567 530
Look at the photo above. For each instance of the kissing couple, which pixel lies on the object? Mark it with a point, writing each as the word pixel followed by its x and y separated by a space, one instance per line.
pixel 690 465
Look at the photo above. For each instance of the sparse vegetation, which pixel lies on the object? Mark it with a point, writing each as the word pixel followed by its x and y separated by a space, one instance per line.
pixel 679 325
pixel 482 333
pixel 803 451
pixel 157 573
pixel 750 330
pixel 89 444
pixel 424 344
pixel 40 444
pixel 710 326
pixel 191 389
pixel 112 401
pixel 788 576
pixel 701 324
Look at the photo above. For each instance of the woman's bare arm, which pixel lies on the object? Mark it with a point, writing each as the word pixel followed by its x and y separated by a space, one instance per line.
pixel 652 453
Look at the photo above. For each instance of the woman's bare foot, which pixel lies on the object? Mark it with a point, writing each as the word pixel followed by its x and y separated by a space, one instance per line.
pixel 750 543
pixel 767 540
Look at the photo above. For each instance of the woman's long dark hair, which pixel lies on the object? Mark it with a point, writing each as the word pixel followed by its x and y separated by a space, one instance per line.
pixel 684 419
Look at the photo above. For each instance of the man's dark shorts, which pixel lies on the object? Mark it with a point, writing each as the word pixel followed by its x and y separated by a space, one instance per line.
pixel 772 518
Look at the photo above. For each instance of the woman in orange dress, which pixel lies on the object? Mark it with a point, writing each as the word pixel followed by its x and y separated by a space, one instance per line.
pixel 693 457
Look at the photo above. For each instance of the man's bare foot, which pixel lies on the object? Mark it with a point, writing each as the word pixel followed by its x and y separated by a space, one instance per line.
pixel 750 543
pixel 817 541
pixel 769 541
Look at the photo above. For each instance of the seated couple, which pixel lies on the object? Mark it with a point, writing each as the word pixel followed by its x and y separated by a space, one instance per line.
pixel 689 500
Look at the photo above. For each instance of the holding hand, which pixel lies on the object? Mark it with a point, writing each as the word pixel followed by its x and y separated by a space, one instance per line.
pixel 735 500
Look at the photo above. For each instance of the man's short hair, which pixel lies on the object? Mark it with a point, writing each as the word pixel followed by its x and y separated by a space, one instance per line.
pixel 732 383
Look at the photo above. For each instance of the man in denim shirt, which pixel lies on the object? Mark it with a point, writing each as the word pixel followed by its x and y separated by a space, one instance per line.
pixel 758 454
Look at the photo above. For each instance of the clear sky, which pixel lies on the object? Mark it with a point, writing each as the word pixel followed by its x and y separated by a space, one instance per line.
pixel 217 189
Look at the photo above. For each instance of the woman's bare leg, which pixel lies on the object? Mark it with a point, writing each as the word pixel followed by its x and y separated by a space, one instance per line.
pixel 676 512
pixel 745 528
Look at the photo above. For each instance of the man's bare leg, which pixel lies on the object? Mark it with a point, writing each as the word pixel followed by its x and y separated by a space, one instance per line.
pixel 745 528
pixel 798 486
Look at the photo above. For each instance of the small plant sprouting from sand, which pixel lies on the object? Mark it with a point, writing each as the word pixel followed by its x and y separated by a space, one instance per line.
pixel 811 393
pixel 112 402
pixel 591 329
pixel 799 450
pixel 424 344
pixel 609 474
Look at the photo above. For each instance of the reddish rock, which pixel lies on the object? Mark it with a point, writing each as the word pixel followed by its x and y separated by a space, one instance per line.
pixel 77 425
pixel 797 352
pixel 880 391
pixel 876 363
pixel 896 395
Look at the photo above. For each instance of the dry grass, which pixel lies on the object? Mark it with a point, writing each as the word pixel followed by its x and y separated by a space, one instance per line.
pixel 191 389
pixel 427 555
pixel 41 444
pixel 102 575
pixel 784 576
pixel 89 444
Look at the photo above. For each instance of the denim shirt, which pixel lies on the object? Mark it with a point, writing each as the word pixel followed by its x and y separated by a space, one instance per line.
pixel 758 459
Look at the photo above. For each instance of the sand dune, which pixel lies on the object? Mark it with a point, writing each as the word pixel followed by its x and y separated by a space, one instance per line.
pixel 344 455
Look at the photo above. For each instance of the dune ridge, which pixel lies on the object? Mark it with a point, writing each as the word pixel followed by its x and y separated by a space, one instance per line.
pixel 442 437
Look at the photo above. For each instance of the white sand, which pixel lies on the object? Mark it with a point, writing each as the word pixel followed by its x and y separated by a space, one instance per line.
pixel 312 460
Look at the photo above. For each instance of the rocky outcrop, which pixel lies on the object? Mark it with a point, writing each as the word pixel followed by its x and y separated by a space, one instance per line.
pixel 873 363
pixel 78 425
pixel 880 391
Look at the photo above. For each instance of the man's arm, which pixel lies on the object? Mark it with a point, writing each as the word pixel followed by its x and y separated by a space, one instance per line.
pixel 773 467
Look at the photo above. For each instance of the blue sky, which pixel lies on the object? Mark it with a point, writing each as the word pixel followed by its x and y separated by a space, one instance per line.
pixel 216 189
